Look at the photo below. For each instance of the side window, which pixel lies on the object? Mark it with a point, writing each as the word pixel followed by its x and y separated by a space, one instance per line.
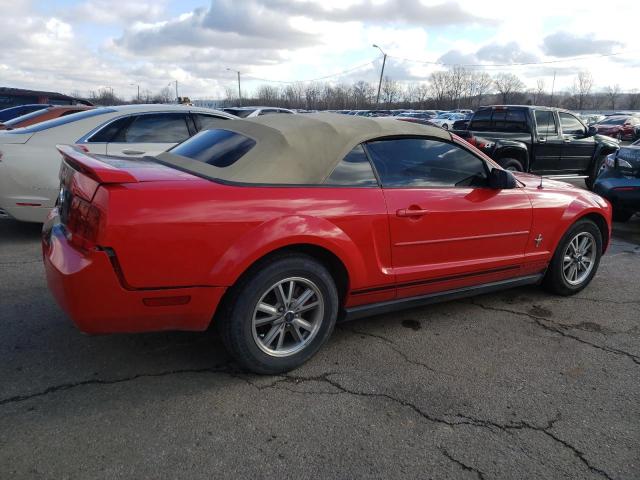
pixel 418 162
pixel 353 170
pixel 545 122
pixel 516 121
pixel 110 132
pixel 571 125
pixel 157 128
pixel 481 119
pixel 207 122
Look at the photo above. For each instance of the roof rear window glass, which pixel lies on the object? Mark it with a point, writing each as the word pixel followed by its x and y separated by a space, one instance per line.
pixel 239 112
pixel 56 122
pixel 219 147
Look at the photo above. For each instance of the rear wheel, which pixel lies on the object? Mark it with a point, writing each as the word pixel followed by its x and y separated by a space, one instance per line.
pixel 575 260
pixel 280 314
pixel 512 165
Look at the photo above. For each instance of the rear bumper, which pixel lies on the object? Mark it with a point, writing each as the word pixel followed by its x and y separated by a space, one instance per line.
pixel 87 288
pixel 608 185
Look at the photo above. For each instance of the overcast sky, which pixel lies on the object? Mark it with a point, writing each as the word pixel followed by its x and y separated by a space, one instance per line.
pixel 79 45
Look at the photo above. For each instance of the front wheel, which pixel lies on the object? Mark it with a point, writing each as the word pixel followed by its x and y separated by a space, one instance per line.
pixel 280 314
pixel 512 165
pixel 575 260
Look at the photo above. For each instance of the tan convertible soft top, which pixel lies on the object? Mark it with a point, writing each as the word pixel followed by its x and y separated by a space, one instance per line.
pixel 298 149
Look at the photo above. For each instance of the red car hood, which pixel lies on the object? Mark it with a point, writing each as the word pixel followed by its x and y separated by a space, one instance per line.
pixel 533 181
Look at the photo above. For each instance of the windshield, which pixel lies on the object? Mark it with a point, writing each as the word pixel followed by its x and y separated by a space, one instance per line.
pixel 56 122
pixel 28 116
pixel 612 121
pixel 239 112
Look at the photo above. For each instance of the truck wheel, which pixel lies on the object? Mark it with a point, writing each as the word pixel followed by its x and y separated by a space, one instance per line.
pixel 622 215
pixel 594 172
pixel 279 315
pixel 575 260
pixel 511 164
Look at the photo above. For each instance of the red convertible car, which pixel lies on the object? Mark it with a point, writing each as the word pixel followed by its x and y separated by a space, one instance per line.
pixel 276 227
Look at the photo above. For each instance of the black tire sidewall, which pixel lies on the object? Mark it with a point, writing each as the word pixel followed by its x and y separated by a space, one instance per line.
pixel 506 162
pixel 554 279
pixel 239 337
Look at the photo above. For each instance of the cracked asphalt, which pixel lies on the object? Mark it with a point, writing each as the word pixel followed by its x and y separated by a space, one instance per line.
pixel 514 385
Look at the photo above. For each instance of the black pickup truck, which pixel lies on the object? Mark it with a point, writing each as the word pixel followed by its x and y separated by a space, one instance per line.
pixel 541 140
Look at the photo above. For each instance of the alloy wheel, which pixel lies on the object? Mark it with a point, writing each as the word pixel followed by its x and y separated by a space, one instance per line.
pixel 579 258
pixel 287 317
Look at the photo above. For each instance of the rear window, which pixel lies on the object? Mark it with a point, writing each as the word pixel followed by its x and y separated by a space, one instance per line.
pixel 56 122
pixel 501 120
pixel 239 112
pixel 219 147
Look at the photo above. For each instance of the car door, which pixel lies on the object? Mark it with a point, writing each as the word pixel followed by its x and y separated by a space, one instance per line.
pixel 577 148
pixel 448 228
pixel 548 143
pixel 150 134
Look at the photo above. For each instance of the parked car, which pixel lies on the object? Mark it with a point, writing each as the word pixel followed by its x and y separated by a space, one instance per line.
pixel 621 127
pixel 231 225
pixel 43 115
pixel 29 167
pixel 13 112
pixel 248 112
pixel 619 181
pixel 545 141
pixel 416 115
pixel 446 120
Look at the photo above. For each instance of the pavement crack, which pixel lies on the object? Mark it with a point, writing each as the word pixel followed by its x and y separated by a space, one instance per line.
pixel 462 465
pixel 96 381
pixel 393 346
pixel 559 329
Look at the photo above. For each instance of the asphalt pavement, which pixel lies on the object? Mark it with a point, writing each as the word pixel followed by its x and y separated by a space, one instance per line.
pixel 514 385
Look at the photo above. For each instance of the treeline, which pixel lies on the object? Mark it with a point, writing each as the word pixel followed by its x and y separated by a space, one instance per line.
pixel 457 87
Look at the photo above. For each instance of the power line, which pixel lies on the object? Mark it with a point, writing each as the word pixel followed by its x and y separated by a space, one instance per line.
pixel 338 74
pixel 517 64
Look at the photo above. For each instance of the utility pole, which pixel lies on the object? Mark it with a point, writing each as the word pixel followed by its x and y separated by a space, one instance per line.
pixel 384 61
pixel 136 85
pixel 553 86
pixel 239 91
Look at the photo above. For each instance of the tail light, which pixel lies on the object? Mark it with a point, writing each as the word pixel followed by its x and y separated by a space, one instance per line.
pixel 82 223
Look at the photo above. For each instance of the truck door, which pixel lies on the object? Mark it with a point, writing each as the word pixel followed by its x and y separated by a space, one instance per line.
pixel 548 143
pixel 577 148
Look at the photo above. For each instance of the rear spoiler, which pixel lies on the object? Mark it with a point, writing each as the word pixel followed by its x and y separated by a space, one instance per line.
pixel 89 165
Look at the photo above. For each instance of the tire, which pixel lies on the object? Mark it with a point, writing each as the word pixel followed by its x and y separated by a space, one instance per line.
pixel 275 346
pixel 594 172
pixel 622 215
pixel 511 164
pixel 559 282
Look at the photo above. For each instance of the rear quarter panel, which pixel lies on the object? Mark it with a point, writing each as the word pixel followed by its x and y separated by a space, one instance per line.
pixel 202 233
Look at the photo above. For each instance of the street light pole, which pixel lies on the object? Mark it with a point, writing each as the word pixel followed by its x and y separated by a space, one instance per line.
pixel 239 91
pixel 384 61
pixel 136 85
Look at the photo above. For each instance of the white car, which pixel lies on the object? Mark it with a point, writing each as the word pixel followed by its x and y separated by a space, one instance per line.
pixel 30 163
pixel 446 120
pixel 248 112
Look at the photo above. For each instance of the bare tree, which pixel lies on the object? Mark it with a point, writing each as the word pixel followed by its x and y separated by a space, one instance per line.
pixel 362 94
pixel 439 82
pixel 508 85
pixel 581 89
pixel 612 92
pixel 480 84
pixel 539 92
pixel 390 90
pixel 634 99
pixel 312 95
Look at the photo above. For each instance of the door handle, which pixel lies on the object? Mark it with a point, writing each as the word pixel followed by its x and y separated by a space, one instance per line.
pixel 542 140
pixel 133 152
pixel 411 212
pixel 567 140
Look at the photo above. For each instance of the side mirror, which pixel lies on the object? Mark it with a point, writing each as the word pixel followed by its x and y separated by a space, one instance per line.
pixel 591 131
pixel 501 179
